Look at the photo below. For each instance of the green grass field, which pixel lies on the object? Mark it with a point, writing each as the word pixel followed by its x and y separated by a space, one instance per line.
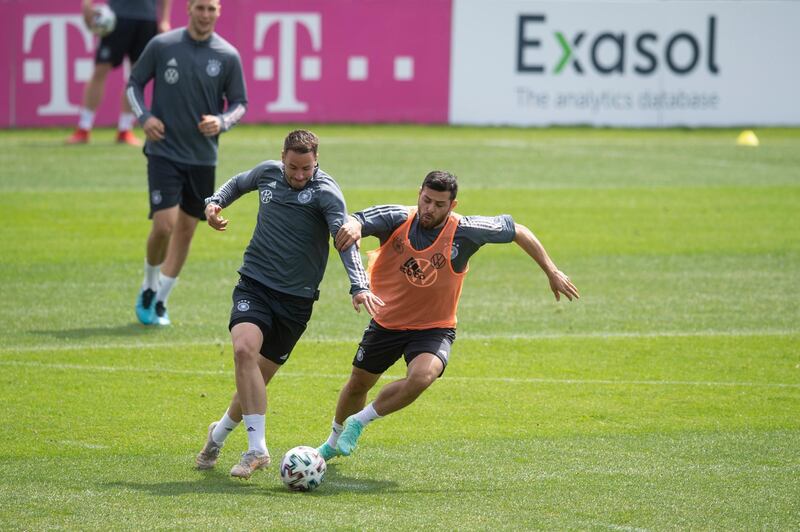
pixel 667 398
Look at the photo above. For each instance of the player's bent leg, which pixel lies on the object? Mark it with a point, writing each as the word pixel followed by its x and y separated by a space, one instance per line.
pixel 247 339
pixel 353 396
pixel 422 371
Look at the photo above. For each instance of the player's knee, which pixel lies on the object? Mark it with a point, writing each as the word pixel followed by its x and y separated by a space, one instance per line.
pixel 421 381
pixel 245 352
pixel 162 228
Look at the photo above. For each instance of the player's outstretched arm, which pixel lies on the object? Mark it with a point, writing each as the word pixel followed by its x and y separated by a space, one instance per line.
pixel 559 282
pixel 213 217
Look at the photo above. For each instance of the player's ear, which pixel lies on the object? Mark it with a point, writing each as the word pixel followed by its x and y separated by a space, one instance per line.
pixel 453 205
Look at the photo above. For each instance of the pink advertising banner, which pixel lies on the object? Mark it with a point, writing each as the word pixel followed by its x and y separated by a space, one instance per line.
pixel 357 61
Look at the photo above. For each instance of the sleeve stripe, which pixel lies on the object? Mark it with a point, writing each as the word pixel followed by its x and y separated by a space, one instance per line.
pixel 376 212
pixel 135 107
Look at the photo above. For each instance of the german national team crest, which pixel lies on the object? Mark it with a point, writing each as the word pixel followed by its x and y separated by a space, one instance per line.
pixel 243 305
pixel 453 252
pixel 213 68
pixel 304 196
pixel 155 197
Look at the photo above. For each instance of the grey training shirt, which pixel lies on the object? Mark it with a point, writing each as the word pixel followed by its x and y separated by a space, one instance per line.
pixel 134 9
pixel 472 231
pixel 191 79
pixel 289 248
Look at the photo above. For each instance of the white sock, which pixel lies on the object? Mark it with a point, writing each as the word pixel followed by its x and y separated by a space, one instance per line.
pixel 85 118
pixel 336 429
pixel 126 121
pixel 165 286
pixel 367 415
pixel 150 276
pixel 223 429
pixel 256 441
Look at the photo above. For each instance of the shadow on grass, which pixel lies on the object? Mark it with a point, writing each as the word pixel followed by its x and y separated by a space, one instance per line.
pixel 129 330
pixel 219 482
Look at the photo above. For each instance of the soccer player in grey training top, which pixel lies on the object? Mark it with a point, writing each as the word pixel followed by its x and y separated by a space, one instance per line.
pixel 194 71
pixel 300 206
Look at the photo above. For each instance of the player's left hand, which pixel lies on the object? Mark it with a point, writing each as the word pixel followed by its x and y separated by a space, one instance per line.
pixel 370 301
pixel 560 284
pixel 164 26
pixel 348 234
pixel 210 125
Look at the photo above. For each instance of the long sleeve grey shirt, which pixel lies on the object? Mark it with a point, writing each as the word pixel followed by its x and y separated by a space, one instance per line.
pixel 472 231
pixel 190 79
pixel 289 248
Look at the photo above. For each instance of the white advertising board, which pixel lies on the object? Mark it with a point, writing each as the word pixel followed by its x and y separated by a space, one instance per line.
pixel 635 63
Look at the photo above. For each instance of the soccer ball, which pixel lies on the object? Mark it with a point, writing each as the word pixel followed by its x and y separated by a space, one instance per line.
pixel 103 20
pixel 302 468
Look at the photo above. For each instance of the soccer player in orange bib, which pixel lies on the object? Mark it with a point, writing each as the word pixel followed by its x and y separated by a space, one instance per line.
pixel 418 272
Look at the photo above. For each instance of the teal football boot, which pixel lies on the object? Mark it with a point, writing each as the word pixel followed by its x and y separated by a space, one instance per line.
pixel 145 306
pixel 327 452
pixel 349 436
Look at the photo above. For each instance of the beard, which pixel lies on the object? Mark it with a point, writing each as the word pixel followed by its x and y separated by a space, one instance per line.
pixel 427 221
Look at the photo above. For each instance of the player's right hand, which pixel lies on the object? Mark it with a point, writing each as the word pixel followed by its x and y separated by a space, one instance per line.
pixel 154 129
pixel 370 301
pixel 214 219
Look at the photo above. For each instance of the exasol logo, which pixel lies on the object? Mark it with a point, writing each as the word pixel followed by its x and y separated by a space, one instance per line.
pixel 614 52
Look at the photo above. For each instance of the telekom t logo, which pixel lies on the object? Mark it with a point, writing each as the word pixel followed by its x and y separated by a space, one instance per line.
pixel 33 68
pixel 287 24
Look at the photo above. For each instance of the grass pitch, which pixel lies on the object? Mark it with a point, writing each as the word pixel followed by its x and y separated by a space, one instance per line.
pixel 666 398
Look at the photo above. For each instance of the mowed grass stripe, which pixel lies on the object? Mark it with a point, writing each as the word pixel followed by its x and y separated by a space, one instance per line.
pixel 340 376
pixel 218 342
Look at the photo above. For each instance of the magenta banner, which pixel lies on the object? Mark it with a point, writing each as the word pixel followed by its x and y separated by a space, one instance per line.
pixel 304 61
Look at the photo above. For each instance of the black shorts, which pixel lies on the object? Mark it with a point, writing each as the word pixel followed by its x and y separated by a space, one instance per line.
pixel 171 183
pixel 128 38
pixel 380 347
pixel 281 317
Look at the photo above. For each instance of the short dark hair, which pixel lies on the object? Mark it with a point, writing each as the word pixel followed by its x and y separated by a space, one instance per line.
pixel 301 141
pixel 442 181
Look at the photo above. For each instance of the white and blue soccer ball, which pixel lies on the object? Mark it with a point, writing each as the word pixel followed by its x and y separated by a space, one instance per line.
pixel 302 468
pixel 103 20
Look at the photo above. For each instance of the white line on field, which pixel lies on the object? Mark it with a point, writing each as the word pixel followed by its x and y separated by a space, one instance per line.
pixel 345 373
pixel 217 343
